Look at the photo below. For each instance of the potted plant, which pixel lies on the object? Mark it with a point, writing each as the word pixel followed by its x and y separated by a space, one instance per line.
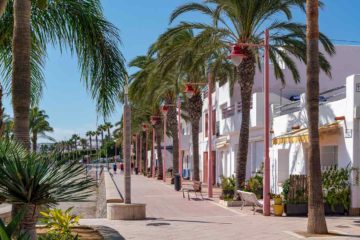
pixel 278 204
pixel 255 185
pixel 228 192
pixel 295 196
pixel 336 188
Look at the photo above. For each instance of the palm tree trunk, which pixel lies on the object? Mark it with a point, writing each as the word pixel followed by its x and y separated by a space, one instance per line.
pixel 90 141
pixel 28 223
pixel 108 130
pixel 247 73
pixel 158 136
pixel 195 144
pixel 97 142
pixel 194 108
pixel 316 216
pixel 173 127
pixel 34 141
pixel 21 71
pixel 2 123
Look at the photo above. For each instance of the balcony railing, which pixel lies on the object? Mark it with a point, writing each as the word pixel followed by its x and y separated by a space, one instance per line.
pixel 231 110
pixel 330 95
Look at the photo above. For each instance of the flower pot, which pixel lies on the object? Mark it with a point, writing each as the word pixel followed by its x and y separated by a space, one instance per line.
pixel 278 201
pixel 296 209
pixel 278 209
pixel 336 210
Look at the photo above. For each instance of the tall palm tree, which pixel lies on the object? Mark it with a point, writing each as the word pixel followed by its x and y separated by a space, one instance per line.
pixel 316 215
pixel 107 126
pixel 39 125
pixel 96 139
pixel 159 91
pixel 77 24
pixel 242 22
pixel 180 51
pixel 101 129
pixel 83 143
pixel 90 134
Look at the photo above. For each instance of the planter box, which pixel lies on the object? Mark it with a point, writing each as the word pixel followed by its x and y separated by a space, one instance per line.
pixel 298 209
pixel 230 203
pixel 338 210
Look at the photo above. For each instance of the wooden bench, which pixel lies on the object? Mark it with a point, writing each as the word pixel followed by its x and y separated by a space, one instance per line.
pixel 196 188
pixel 249 198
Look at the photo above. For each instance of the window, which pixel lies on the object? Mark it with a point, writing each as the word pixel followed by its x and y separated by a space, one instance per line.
pixel 329 156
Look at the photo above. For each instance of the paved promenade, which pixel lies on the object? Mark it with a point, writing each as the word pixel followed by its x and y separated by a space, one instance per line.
pixel 172 217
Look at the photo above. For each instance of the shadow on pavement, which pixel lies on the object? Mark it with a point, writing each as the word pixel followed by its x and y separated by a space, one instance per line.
pixel 108 233
pixel 176 220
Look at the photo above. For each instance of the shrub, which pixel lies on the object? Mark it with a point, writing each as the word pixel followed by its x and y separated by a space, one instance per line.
pixel 228 188
pixel 59 222
pixel 336 187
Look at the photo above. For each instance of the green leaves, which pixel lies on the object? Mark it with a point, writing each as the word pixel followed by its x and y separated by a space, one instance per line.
pixel 80 27
pixel 60 222
pixel 40 180
pixel 8 232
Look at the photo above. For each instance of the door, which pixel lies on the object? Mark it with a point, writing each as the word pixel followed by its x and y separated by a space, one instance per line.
pixel 205 167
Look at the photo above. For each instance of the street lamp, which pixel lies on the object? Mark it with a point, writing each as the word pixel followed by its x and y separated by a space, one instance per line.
pixel 236 57
pixel 145 129
pixel 189 92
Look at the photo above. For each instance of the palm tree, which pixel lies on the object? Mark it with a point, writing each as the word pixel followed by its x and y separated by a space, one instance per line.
pixel 83 143
pixel 55 182
pixel 316 215
pixel 107 126
pixel 76 24
pixel 39 125
pixel 159 91
pixel 101 129
pixel 90 134
pixel 180 51
pixel 241 22
pixel 96 139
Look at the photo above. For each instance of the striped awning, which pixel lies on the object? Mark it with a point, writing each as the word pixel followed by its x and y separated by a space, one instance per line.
pixel 302 135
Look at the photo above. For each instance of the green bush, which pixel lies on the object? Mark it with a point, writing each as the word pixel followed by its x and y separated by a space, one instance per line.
pixel 336 187
pixel 228 188
pixel 59 223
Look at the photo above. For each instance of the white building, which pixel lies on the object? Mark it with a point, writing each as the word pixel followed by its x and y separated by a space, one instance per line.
pixel 339 137
pixel 227 109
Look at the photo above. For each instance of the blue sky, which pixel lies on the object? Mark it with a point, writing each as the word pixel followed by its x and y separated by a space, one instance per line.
pixel 71 109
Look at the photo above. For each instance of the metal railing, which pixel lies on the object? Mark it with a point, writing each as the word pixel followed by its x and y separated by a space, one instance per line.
pixel 327 96
pixel 287 108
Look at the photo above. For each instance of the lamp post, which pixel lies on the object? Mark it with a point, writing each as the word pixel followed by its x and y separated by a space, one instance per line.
pixel 145 128
pixel 164 110
pixel 179 136
pixel 189 92
pixel 127 146
pixel 140 153
pixel 236 57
